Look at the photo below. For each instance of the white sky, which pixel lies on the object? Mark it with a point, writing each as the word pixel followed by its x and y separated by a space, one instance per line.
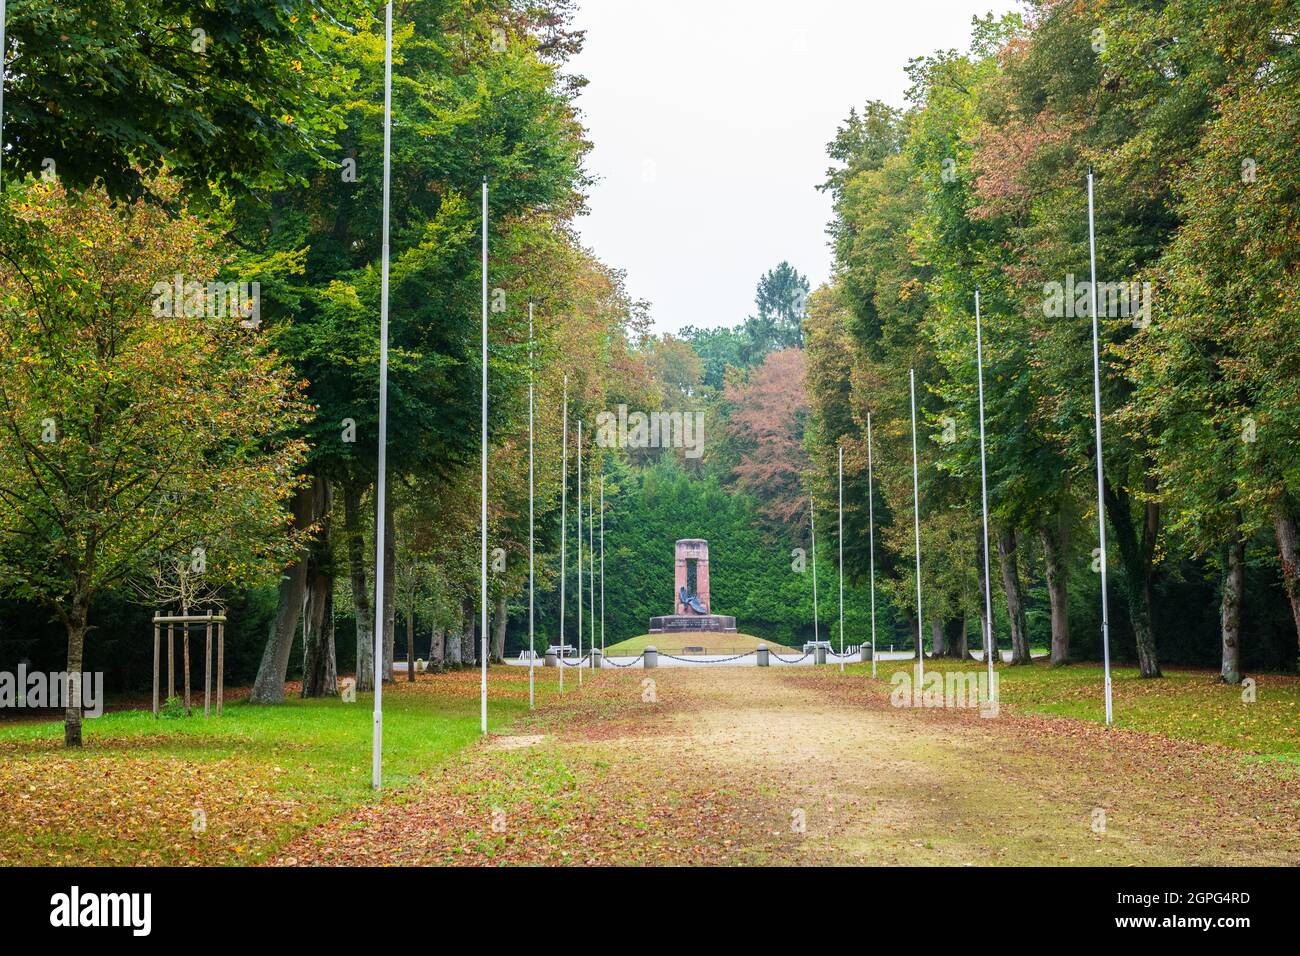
pixel 710 121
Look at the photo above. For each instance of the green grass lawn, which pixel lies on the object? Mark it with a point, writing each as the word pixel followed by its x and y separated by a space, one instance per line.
pixel 233 789
pixel 1192 705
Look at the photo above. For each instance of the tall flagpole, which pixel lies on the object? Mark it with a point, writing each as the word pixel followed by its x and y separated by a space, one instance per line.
pixel 532 646
pixel 841 559
pixel 812 515
pixel 482 589
pixel 564 522
pixel 381 493
pixel 916 521
pixel 990 648
pixel 871 543
pixel 602 567
pixel 1096 403
pixel 2 85
pixel 591 564
pixel 579 552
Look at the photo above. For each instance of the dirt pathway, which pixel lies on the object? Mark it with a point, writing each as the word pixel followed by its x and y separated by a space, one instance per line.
pixel 743 765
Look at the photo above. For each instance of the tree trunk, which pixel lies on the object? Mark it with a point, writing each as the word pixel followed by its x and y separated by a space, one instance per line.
pixel 353 489
pixel 499 637
pixel 410 645
pixel 319 665
pixel 1289 554
pixel 1138 556
pixel 436 650
pixel 320 675
pixel 451 649
pixel 77 626
pixel 467 645
pixel 1015 602
pixel 390 591
pixel 1234 586
pixel 938 638
pixel 955 638
pixel 308 504
pixel 1053 537
pixel 1137 591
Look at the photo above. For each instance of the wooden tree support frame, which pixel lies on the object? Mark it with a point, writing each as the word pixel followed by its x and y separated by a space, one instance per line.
pixel 208 620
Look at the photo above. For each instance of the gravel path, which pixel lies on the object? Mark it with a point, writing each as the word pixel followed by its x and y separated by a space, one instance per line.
pixel 733 766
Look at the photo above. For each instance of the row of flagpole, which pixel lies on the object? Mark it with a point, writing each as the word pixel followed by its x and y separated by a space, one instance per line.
pixel 381 485
pixel 990 646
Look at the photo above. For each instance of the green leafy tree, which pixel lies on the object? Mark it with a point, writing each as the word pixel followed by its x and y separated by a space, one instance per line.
pixel 463 111
pixel 222 94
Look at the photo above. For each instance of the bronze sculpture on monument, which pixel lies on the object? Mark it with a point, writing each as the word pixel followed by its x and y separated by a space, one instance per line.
pixel 692 610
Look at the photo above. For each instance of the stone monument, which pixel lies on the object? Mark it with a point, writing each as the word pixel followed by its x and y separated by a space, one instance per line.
pixel 692 610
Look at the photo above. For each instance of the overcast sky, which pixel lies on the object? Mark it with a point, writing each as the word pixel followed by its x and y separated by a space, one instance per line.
pixel 710 120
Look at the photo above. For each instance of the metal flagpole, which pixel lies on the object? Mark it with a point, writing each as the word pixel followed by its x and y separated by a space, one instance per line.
pixel 564 523
pixel 2 86
pixel 381 492
pixel 871 543
pixel 841 450
pixel 532 645
pixel 579 552
pixel 812 513
pixel 916 520
pixel 602 567
pixel 482 589
pixel 990 648
pixel 591 565
pixel 1096 402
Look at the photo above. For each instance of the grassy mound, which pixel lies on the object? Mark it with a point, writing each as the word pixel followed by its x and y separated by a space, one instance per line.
pixel 713 642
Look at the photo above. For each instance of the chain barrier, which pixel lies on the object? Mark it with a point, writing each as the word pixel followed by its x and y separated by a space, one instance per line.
pixel 720 660
pixel 630 663
pixel 784 661
pixel 609 662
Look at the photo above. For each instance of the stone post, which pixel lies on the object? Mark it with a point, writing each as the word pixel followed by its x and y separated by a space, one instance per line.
pixel 651 658
pixel 762 654
pixel 552 659
pixel 819 655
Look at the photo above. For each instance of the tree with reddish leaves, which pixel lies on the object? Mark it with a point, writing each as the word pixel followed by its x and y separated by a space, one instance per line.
pixel 769 411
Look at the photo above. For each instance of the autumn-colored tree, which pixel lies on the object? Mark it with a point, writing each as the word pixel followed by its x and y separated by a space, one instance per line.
pixel 132 428
pixel 769 411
